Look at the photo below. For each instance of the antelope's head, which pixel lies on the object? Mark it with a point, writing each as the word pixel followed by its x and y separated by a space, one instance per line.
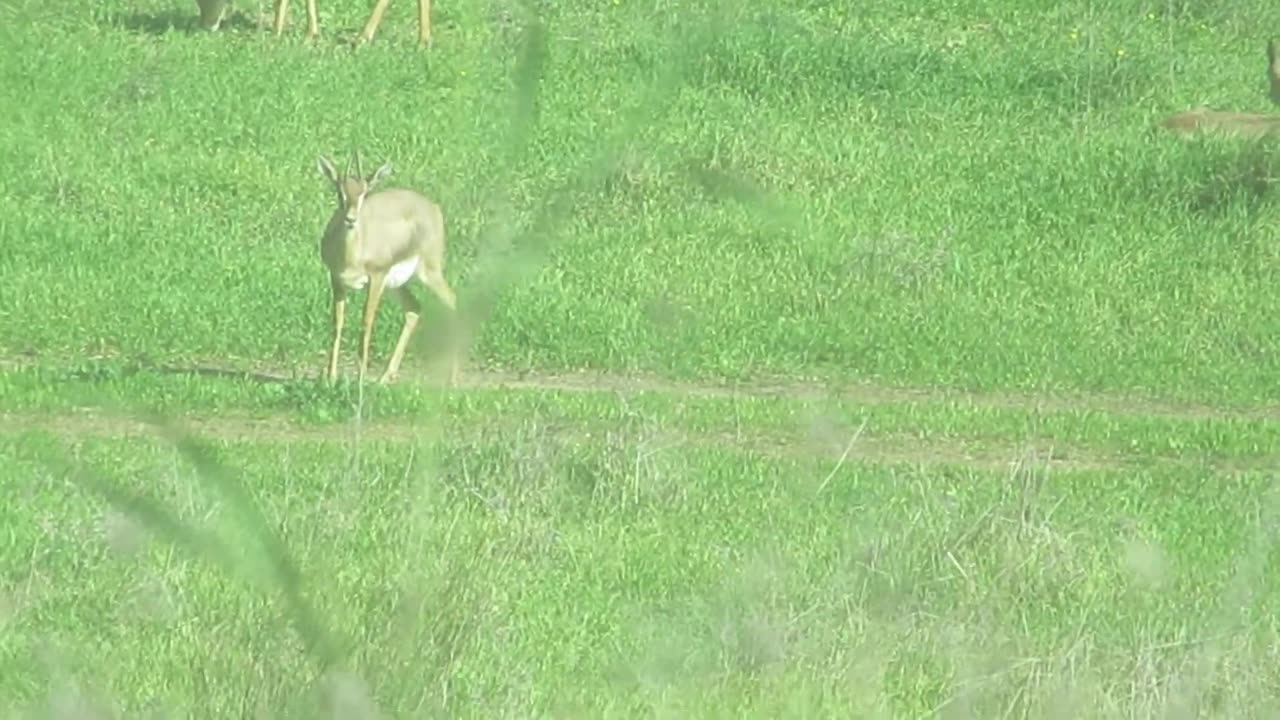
pixel 352 186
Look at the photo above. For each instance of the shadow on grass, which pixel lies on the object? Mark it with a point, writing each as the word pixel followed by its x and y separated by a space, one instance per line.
pixel 1251 176
pixel 102 372
pixel 1210 175
pixel 162 23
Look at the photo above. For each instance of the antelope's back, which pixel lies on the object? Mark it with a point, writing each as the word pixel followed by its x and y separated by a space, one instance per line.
pixel 404 219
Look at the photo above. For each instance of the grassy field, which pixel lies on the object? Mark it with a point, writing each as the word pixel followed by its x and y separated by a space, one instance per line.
pixel 825 360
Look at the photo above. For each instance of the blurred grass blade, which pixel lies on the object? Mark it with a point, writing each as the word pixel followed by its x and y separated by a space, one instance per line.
pixel 166 525
pixel 527 77
pixel 508 255
pixel 220 478
pixel 154 516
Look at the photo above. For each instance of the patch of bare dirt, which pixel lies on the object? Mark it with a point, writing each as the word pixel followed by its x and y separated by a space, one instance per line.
pixel 856 447
pixel 866 393
pixel 863 393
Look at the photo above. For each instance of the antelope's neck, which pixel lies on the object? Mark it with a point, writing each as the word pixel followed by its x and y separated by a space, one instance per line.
pixel 341 248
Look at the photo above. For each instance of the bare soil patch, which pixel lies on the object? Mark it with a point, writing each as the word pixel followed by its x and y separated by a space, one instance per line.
pixel 855 447
pixel 868 393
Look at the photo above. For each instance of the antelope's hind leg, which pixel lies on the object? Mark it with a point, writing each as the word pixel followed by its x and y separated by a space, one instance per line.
pixel 412 311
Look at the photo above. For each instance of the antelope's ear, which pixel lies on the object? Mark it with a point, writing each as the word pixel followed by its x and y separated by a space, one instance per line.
pixel 380 174
pixel 326 168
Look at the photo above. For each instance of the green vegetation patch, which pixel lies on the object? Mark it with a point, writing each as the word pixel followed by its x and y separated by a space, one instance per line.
pixel 945 195
pixel 511 575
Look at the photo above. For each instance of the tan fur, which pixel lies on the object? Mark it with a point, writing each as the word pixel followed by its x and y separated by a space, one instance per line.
pixel 370 27
pixel 374 236
pixel 1250 125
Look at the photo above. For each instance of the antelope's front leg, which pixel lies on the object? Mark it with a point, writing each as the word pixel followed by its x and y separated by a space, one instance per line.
pixel 376 282
pixel 313 23
pixel 339 316
pixel 375 18
pixel 424 23
pixel 282 10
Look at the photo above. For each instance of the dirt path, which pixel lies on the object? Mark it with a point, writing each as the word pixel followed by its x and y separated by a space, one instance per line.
pixel 860 393
pixel 866 393
pixel 855 447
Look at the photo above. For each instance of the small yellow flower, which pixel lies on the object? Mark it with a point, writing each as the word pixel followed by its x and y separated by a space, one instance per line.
pixel 1120 52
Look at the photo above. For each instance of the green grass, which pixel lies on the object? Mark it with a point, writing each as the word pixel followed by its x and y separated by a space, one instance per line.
pixel 949 193
pixel 1143 434
pixel 827 360
pixel 495 578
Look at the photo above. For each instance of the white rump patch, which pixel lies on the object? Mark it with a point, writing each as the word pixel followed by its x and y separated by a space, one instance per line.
pixel 400 273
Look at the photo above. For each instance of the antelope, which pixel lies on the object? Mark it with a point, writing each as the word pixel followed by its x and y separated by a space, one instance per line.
pixel 381 240
pixel 370 27
pixel 213 12
pixel 1251 125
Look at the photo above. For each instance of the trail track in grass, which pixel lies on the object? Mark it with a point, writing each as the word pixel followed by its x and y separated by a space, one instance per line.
pixel 845 444
pixel 868 393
